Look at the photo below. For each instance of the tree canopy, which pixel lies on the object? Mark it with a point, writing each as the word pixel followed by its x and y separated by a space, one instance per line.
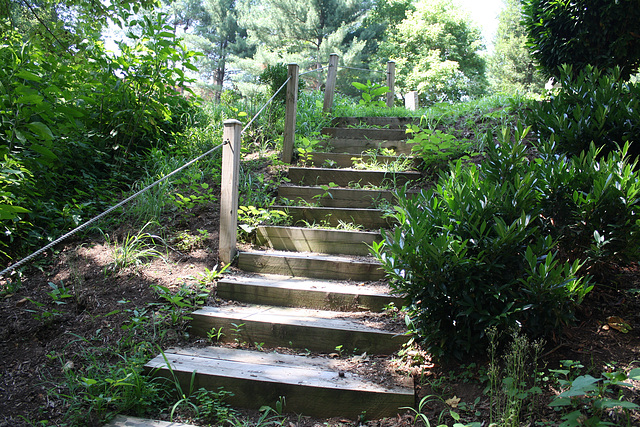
pixel 436 50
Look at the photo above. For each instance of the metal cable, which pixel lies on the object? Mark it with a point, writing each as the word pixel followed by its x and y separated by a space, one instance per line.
pixel 315 70
pixel 362 69
pixel 111 209
pixel 265 105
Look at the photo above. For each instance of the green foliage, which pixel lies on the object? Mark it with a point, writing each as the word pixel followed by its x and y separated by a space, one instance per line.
pixel 135 249
pixel 511 68
pixel 302 31
pixel 436 50
pixel 596 401
pixel 106 382
pixel 437 148
pixel 515 383
pixel 275 76
pixel 371 94
pixel 582 32
pixel 471 253
pixel 74 122
pixel 591 106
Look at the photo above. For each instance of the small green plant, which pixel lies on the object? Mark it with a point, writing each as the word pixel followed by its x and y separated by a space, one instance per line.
pixel 371 93
pixel 212 407
pixel 327 191
pixel 597 401
pixel 514 389
pixel 135 249
pixel 250 217
pixel 382 159
pixel 437 148
pixel 208 277
pixel 236 332
pixel 59 293
pixel 185 241
pixel 305 148
pixel 214 335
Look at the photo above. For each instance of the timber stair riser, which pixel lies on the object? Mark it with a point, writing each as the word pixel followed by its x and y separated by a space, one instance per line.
pixel 289 292
pixel 339 197
pixel 383 122
pixel 313 266
pixel 355 146
pixel 298 239
pixel 361 134
pixel 369 219
pixel 349 177
pixel 293 328
pixel 342 160
pixel 259 379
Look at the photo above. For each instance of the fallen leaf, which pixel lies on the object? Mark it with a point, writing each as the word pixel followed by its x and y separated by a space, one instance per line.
pixel 453 402
pixel 618 324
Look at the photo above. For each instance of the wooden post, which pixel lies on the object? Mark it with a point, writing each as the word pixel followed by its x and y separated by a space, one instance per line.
pixel 330 87
pixel 289 136
pixel 391 78
pixel 411 101
pixel 229 190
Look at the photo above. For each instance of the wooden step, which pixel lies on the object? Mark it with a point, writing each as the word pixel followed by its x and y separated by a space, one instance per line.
pixel 128 421
pixel 295 292
pixel 311 386
pixel 388 122
pixel 337 197
pixel 342 160
pixel 350 177
pixel 315 266
pixel 369 219
pixel 298 328
pixel 366 133
pixel 357 146
pixel 319 240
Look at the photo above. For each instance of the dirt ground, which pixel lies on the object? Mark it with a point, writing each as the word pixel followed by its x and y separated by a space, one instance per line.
pixel 39 332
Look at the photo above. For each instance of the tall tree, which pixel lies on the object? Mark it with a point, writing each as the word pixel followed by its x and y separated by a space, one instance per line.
pixel 436 50
pixel 303 31
pixel 218 35
pixel 511 68
pixel 603 33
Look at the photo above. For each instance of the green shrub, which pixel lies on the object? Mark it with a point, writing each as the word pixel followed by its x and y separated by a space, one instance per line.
pixel 590 107
pixel 590 204
pixel 475 251
pixel 582 32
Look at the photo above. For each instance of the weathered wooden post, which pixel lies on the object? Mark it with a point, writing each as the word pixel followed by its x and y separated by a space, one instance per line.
pixel 411 101
pixel 289 136
pixel 229 190
pixel 330 87
pixel 391 78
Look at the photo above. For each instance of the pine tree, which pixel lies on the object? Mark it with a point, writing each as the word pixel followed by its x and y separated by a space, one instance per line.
pixel 303 31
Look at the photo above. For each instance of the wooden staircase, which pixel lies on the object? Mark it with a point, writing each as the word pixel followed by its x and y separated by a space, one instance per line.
pixel 310 290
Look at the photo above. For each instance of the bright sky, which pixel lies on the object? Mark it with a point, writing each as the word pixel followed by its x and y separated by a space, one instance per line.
pixel 485 13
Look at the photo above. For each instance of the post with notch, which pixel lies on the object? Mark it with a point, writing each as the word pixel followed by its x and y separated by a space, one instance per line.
pixel 330 87
pixel 391 78
pixel 229 190
pixel 289 136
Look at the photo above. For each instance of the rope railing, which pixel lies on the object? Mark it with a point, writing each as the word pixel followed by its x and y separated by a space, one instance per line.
pixel 18 264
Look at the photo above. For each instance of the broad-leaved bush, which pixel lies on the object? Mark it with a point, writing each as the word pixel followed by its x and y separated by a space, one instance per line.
pixel 591 106
pixel 509 243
